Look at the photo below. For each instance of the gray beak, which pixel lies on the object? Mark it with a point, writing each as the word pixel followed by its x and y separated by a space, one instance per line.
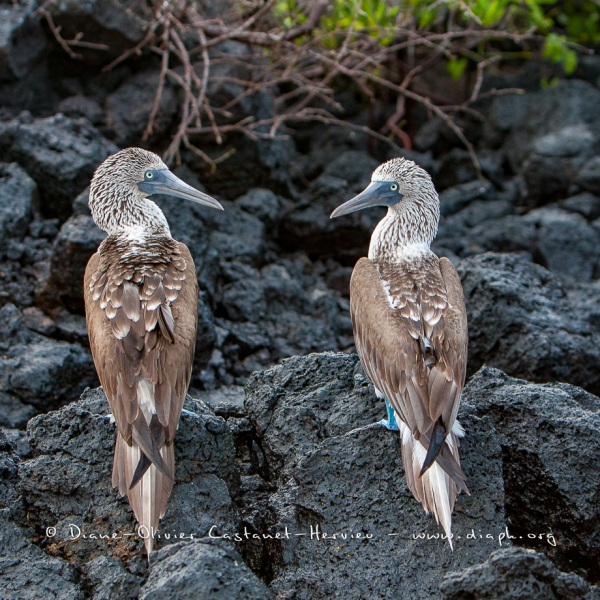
pixel 166 183
pixel 377 193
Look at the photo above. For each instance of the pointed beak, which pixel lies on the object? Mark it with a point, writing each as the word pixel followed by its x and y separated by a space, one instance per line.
pixel 165 182
pixel 377 193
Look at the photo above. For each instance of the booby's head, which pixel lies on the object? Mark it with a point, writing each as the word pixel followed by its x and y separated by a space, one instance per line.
pixel 413 209
pixel 392 182
pixel 121 185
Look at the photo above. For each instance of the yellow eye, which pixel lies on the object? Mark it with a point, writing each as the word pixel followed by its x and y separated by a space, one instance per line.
pixel 394 187
pixel 149 175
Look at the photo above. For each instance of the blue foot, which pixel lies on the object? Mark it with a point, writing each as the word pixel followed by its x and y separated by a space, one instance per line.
pixel 390 422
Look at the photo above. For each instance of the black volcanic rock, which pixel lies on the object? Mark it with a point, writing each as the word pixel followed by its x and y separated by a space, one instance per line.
pixel 203 570
pixel 528 454
pixel 458 197
pixel 313 468
pixel 262 203
pixel 550 438
pixel 588 177
pixel 68 480
pixel 9 465
pixel 59 153
pixel 585 204
pixel 548 136
pixel 515 574
pixel 22 42
pixel 27 572
pixel 524 320
pixel 125 126
pixel 17 196
pixel 37 373
pixel 560 240
pixel 308 398
pixel 337 479
pixel 309 225
pixel 114 27
pixel 77 240
pixel 105 578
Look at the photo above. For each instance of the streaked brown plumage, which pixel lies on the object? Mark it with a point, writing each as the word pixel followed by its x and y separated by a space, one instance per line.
pixel 410 330
pixel 141 297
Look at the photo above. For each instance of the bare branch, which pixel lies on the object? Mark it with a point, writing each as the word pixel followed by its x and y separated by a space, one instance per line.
pixel 56 33
pixel 300 70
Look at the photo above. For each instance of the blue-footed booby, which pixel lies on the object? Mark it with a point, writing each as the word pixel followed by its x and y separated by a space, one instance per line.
pixel 410 330
pixel 141 297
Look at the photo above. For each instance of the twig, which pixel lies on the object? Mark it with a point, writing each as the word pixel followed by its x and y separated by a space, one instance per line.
pixel 301 77
pixel 137 49
pixel 56 33
pixel 161 85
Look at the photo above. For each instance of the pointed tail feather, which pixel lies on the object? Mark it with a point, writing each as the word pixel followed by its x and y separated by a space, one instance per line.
pixel 148 497
pixel 435 489
pixel 436 443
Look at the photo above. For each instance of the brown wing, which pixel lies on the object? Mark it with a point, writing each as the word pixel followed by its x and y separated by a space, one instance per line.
pixel 455 329
pixel 410 332
pixel 142 327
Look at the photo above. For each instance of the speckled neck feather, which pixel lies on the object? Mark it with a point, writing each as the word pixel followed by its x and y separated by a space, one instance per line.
pixel 410 226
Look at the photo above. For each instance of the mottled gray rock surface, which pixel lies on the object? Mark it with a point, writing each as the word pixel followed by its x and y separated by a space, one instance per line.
pixel 349 481
pixel 9 466
pixel 22 42
pixel 17 196
pixel 515 574
pixel 550 437
pixel 28 573
pixel 37 373
pixel 529 323
pixel 201 570
pixel 59 153
pixel 67 484
pixel 321 507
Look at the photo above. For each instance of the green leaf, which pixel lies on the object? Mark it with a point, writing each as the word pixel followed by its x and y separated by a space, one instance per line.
pixel 456 67
pixel 549 83
pixel 570 62
pixel 556 49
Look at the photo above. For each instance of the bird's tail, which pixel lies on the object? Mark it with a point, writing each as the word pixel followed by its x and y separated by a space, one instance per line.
pixel 437 488
pixel 151 490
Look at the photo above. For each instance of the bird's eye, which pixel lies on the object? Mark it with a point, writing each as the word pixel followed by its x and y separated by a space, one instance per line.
pixel 148 175
pixel 394 187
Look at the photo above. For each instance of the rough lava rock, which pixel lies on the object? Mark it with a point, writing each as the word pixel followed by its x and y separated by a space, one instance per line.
pixel 115 27
pixel 550 438
pixel 125 126
pixel 37 373
pixel 526 321
pixel 28 573
pixel 9 466
pixel 22 42
pixel 338 480
pixel 17 196
pixel 203 570
pixel 561 240
pixel 77 240
pixel 516 574
pixel 67 484
pixel 59 153
pixel 309 225
pixel 548 136
pixel 316 470
pixel 341 480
